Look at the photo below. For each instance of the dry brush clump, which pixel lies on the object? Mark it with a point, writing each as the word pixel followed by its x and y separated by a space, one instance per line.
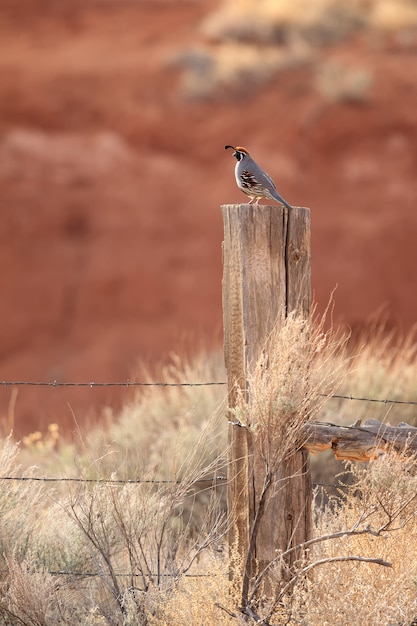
pixel 103 550
pixel 375 519
pixel 31 596
pixel 360 566
pixel 197 601
pixel 300 367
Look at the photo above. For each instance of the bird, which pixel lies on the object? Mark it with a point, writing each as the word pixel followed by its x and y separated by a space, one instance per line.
pixel 252 180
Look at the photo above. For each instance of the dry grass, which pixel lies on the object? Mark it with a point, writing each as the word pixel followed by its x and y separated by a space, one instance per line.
pixel 139 540
pixel 291 381
pixel 120 547
pixel 383 366
pixel 195 600
pixel 382 501
pixel 168 422
pixel 104 552
pixel 384 496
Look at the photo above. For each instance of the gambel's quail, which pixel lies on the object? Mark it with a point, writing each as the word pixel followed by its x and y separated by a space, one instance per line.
pixel 252 180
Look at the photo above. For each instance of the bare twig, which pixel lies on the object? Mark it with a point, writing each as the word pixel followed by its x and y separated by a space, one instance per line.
pixel 333 559
pixel 301 546
pixel 226 610
pixel 253 536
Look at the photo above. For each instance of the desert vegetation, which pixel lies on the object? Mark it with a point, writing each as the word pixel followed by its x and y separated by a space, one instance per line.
pixel 126 522
pixel 137 533
pixel 245 42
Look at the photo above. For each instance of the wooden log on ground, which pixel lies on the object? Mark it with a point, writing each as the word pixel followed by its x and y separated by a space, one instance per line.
pixel 360 441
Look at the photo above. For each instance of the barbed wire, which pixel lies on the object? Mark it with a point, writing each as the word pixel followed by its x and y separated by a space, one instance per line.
pixel 222 480
pixel 118 574
pixel 131 383
pixel 216 481
pixel 126 383
pixel 379 400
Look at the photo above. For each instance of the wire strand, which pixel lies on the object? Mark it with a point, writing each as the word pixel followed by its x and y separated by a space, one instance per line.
pixel 126 383
pixel 117 574
pixel 112 481
pixel 379 400
pixel 216 481
pixel 131 383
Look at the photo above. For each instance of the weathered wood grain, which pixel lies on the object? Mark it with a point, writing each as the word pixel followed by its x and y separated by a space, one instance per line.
pixel 360 441
pixel 266 274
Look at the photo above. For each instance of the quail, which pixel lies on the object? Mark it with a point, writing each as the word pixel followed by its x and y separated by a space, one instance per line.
pixel 252 180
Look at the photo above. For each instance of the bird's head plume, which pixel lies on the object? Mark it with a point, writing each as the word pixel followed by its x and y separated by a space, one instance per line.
pixel 239 152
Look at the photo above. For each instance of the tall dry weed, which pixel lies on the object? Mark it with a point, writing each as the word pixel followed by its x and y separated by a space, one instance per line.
pixel 382 366
pixel 294 376
pixel 32 596
pixel 21 503
pixel 165 423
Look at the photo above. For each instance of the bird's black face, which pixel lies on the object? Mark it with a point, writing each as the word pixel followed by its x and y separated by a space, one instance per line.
pixel 239 153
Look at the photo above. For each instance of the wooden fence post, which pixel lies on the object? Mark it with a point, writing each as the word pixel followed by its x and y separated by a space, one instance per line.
pixel 266 275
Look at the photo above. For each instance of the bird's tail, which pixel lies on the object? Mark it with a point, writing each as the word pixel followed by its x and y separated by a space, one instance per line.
pixel 278 198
